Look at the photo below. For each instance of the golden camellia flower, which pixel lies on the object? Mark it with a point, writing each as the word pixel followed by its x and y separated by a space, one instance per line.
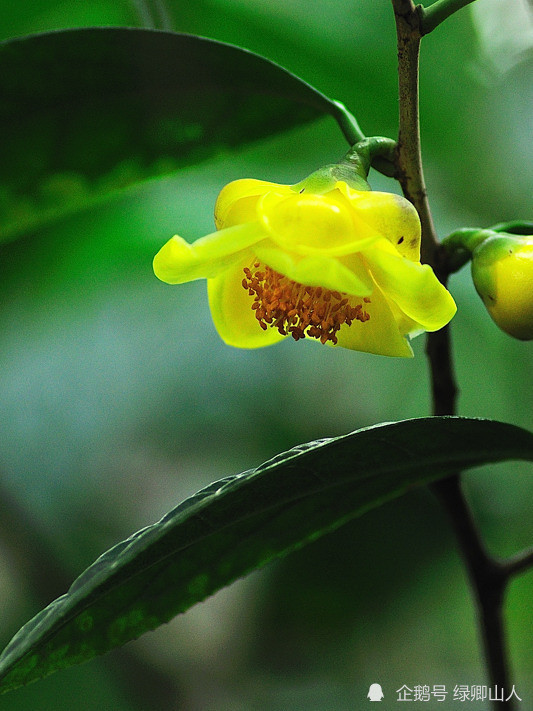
pixel 502 271
pixel 318 260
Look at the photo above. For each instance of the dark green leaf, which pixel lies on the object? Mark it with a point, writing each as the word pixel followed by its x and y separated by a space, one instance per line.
pixel 88 112
pixel 240 523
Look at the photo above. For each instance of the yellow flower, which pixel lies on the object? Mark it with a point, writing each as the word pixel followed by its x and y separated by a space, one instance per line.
pixel 331 263
pixel 502 271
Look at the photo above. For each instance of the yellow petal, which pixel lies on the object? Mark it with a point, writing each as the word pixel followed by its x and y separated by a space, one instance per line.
pixel 390 215
pixel 231 310
pixel 413 287
pixel 178 261
pixel 380 334
pixel 237 201
pixel 317 270
pixel 313 224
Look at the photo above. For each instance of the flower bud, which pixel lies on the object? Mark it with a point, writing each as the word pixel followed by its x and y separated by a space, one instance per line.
pixel 502 271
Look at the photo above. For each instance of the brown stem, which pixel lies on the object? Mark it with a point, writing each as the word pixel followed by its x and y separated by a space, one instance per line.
pixel 488 576
pixel 409 157
pixel 443 384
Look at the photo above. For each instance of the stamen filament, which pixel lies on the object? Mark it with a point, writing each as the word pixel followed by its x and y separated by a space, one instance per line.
pixel 299 310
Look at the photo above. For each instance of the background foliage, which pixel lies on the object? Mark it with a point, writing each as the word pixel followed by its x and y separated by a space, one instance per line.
pixel 119 399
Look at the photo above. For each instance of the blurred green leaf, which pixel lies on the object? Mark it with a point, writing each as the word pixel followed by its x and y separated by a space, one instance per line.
pixel 88 112
pixel 240 523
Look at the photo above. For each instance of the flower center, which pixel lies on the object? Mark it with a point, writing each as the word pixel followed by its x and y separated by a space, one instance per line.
pixel 299 310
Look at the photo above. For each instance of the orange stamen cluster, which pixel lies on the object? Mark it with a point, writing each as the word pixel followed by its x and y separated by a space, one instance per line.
pixel 299 310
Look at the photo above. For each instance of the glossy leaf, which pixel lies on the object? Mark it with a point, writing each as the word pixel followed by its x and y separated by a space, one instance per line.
pixel 87 112
pixel 240 523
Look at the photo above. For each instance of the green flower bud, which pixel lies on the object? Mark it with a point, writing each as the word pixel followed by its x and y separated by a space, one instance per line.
pixel 502 271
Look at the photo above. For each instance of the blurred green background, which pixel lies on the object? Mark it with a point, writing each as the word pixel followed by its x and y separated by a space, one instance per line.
pixel 118 398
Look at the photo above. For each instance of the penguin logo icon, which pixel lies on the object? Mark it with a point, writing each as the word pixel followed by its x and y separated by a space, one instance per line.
pixel 375 692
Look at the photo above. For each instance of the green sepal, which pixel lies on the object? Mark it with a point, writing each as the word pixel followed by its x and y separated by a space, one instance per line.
pixel 352 168
pixel 515 227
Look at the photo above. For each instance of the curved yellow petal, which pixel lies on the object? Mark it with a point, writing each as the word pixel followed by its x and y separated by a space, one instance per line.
pixel 317 270
pixel 178 261
pixel 358 243
pixel 380 335
pixel 413 287
pixel 232 314
pixel 390 215
pixel 237 201
pixel 307 223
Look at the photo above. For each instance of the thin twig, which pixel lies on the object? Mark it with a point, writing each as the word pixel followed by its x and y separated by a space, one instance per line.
pixel 409 157
pixel 518 563
pixel 488 578
pixel 432 16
